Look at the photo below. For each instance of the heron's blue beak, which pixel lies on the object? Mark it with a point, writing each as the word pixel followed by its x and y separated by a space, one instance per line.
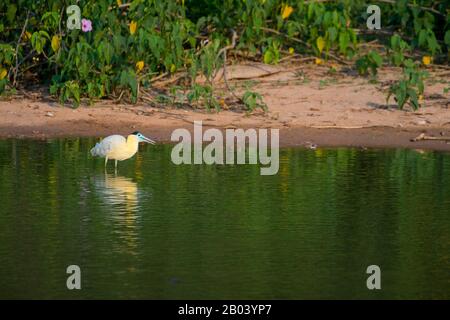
pixel 147 140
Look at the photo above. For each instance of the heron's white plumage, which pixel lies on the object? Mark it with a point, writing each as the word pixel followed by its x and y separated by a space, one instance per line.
pixel 118 148
pixel 108 145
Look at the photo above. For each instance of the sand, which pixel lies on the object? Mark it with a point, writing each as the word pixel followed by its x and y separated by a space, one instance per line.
pixel 306 102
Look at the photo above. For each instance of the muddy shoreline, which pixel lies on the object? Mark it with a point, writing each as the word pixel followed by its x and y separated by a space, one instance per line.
pixel 376 137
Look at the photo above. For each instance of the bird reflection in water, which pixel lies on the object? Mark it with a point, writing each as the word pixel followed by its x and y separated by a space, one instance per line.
pixel 121 196
pixel 120 192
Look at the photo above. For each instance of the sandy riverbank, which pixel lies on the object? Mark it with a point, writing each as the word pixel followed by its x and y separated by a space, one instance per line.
pixel 307 104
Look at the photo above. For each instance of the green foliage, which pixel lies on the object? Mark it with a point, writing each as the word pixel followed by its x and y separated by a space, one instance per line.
pixel 447 38
pixel 399 47
pixel 206 61
pixel 203 94
pixel 410 87
pixel 272 52
pixel 169 37
pixel 6 54
pixel 371 61
pixel 253 100
pixel 70 90
pixel 38 40
pixel 3 84
pixel 6 61
pixel 333 26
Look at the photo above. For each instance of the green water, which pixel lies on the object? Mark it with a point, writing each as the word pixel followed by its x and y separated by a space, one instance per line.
pixel 157 230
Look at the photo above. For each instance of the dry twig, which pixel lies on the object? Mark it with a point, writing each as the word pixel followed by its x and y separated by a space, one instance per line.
pixel 16 69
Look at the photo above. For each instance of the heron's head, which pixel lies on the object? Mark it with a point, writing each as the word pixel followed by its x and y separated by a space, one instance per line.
pixel 142 138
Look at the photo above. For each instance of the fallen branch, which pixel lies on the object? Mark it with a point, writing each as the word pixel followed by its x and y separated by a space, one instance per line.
pixel 411 5
pixel 296 57
pixel 121 6
pixel 380 32
pixel 162 75
pixel 423 136
pixel 339 127
pixel 285 35
pixel 393 2
pixel 171 80
pixel 441 66
pixel 224 73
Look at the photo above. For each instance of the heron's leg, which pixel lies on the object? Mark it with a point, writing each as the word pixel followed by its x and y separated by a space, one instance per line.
pixel 106 160
pixel 116 164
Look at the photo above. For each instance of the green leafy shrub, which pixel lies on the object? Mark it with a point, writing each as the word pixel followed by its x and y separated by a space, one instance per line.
pixel 132 42
pixel 253 100
pixel 369 62
pixel 410 88
pixel 398 49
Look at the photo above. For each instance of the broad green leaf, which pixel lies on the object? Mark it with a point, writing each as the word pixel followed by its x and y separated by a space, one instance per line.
pixel 56 41
pixel 320 44
pixel 344 40
pixel 376 58
pixel 332 32
pixel 447 38
pixel 11 12
pixel 422 37
pixel 268 57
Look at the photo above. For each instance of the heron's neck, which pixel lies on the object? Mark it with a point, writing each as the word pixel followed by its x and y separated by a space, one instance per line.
pixel 132 144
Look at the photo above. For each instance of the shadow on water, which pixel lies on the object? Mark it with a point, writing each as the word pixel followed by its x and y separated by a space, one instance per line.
pixel 158 230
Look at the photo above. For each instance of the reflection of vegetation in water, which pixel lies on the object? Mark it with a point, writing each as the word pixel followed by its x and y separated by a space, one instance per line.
pixel 223 231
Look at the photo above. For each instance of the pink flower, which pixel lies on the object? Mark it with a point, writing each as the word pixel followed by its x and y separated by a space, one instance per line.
pixel 86 25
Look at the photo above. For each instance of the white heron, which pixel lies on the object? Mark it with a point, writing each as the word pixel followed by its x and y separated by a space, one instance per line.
pixel 117 148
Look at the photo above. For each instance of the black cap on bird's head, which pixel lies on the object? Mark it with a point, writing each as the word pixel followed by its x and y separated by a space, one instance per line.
pixel 142 138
